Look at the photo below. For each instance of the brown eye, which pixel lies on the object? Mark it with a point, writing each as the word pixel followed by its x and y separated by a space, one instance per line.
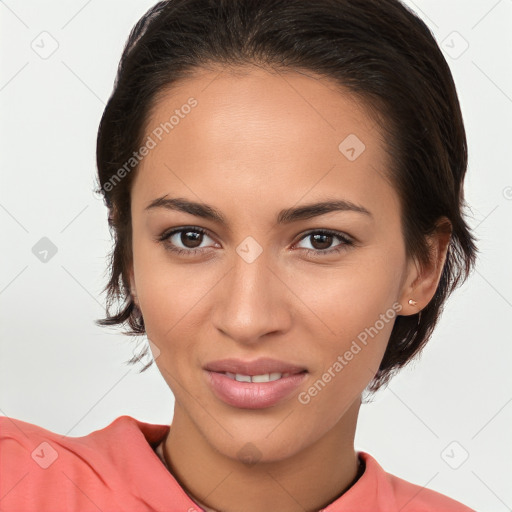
pixel 323 242
pixel 185 241
pixel 190 239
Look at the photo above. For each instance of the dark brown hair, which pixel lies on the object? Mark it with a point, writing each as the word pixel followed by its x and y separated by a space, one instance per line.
pixel 377 49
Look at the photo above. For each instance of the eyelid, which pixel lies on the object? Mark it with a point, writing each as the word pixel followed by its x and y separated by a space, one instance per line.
pixel 339 234
pixel 166 235
pixel 346 240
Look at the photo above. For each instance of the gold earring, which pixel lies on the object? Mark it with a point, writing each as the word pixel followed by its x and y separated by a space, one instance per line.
pixel 412 302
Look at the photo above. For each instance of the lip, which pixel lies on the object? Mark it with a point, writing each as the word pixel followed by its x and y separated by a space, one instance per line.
pixel 253 395
pixel 257 367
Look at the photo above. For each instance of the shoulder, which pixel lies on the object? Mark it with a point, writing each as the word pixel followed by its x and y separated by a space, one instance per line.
pixel 19 437
pixel 22 433
pixel 410 497
pixel 42 469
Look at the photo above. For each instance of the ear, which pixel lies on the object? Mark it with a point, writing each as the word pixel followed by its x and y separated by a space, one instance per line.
pixel 422 279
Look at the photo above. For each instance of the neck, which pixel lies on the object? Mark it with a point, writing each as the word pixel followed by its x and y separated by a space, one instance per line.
pixel 308 479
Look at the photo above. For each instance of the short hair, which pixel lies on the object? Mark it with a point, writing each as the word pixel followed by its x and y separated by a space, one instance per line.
pixel 377 50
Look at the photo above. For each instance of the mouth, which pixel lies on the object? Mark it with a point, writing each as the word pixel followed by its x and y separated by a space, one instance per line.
pixel 258 368
pixel 253 384
pixel 264 377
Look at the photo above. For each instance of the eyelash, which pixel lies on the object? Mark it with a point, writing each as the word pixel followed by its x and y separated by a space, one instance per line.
pixel 346 241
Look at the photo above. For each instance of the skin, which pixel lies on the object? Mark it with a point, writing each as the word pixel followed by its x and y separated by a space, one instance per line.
pixel 257 143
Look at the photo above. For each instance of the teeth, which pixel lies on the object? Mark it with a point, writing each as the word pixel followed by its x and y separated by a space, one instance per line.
pixel 266 377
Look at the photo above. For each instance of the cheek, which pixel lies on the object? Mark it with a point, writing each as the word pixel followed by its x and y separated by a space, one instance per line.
pixel 358 310
pixel 349 363
pixel 350 298
pixel 169 295
pixel 160 292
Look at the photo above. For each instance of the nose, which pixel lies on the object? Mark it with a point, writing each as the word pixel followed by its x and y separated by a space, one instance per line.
pixel 253 301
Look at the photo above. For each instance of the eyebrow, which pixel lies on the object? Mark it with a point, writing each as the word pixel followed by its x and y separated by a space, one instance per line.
pixel 286 216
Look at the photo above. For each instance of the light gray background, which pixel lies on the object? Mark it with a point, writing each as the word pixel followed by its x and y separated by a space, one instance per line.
pixel 60 371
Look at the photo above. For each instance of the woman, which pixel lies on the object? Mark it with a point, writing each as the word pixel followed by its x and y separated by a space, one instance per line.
pixel 284 182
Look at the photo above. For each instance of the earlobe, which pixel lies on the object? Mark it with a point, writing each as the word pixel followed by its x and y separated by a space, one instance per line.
pixel 424 278
pixel 409 299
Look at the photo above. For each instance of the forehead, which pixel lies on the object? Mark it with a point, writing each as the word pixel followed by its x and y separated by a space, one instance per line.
pixel 253 130
pixel 252 106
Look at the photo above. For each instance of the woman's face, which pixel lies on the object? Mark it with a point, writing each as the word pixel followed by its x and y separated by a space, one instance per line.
pixel 266 281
